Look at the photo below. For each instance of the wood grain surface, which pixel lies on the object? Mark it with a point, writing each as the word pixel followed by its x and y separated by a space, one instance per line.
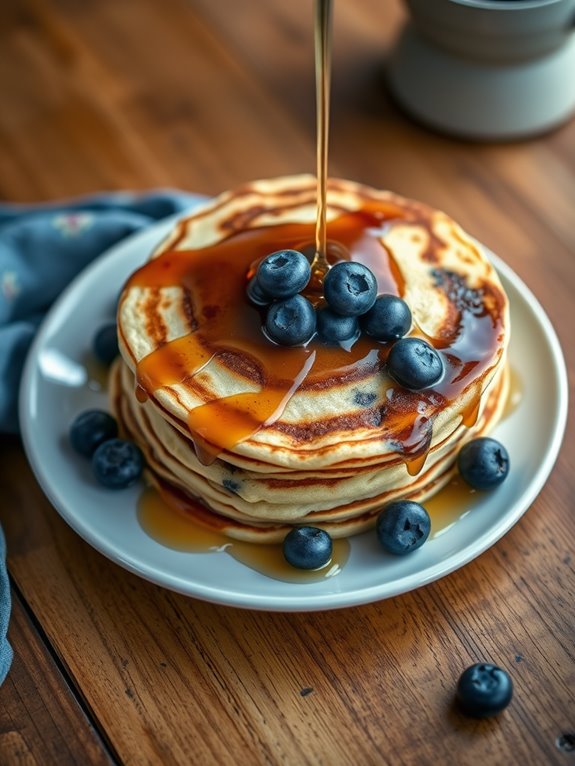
pixel 203 95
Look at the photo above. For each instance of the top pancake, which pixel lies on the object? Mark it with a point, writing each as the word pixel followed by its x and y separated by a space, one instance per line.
pixel 196 347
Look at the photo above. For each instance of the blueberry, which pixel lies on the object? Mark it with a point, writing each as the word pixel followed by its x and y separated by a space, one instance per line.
pixel 291 322
pixel 255 293
pixel 414 364
pixel 232 485
pixel 335 328
pixel 483 463
pixel 307 547
pixel 350 288
pixel 388 319
pixel 403 526
pixel 484 690
pixel 284 273
pixel 90 429
pixel 105 343
pixel 117 463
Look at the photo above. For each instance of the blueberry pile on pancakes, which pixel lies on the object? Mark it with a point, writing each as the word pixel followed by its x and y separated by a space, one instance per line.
pixel 252 434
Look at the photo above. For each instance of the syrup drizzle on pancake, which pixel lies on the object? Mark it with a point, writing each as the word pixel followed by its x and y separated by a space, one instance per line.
pixel 226 324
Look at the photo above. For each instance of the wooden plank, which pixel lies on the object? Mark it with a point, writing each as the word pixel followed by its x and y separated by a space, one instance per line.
pixel 41 720
pixel 153 96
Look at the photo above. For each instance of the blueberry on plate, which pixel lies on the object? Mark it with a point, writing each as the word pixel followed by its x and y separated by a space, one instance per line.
pixel 117 463
pixel 307 547
pixel 283 273
pixel 388 319
pixel 484 690
pixel 255 293
pixel 291 322
pixel 350 288
pixel 402 527
pixel 483 463
pixel 89 429
pixel 105 343
pixel 414 364
pixel 335 328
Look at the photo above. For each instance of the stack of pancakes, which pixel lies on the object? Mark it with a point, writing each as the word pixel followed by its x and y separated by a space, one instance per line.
pixel 233 436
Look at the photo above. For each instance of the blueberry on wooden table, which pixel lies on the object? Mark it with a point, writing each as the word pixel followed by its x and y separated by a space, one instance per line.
pixel 105 343
pixel 307 547
pixel 291 322
pixel 117 463
pixel 283 273
pixel 350 288
pixel 90 429
pixel 402 527
pixel 483 463
pixel 484 690
pixel 388 319
pixel 414 364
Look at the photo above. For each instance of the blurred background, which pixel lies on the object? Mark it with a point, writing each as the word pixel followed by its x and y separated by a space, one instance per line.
pixel 202 95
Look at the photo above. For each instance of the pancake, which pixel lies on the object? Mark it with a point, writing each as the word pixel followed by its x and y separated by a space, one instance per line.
pixel 267 436
pixel 248 507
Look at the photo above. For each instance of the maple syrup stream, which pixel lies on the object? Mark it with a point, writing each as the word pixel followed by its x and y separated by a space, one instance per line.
pixel 323 12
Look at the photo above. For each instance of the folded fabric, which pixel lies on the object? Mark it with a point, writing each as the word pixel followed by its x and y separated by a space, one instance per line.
pixel 42 247
pixel 5 648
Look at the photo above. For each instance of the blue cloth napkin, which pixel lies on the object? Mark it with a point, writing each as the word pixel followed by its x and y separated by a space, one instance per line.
pixel 42 247
pixel 5 648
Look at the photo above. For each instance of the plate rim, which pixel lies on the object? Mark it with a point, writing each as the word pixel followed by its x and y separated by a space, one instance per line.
pixel 282 602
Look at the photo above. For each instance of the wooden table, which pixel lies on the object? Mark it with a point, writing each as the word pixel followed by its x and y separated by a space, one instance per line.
pixel 203 95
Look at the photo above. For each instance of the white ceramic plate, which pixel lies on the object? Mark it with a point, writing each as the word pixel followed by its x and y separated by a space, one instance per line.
pixel 56 387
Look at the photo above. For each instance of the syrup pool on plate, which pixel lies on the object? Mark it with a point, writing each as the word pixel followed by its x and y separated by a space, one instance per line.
pixel 174 529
